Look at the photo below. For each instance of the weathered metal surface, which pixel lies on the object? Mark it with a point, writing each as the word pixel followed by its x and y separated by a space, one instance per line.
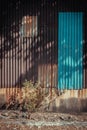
pixel 28 40
pixel 70 50
pixel 34 57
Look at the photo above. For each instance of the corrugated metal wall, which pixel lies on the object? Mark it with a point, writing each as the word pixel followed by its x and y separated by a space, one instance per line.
pixel 78 6
pixel 70 50
pixel 31 57
pixel 34 57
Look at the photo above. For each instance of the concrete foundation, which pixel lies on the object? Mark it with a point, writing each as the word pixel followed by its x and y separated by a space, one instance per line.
pixel 70 101
pixel 67 101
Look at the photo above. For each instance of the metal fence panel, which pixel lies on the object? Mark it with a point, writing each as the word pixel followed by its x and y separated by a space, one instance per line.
pixel 70 50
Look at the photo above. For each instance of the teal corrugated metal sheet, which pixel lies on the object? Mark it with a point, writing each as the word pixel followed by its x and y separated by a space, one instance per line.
pixel 70 50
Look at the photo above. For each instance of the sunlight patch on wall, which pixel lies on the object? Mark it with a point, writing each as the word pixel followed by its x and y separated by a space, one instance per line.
pixel 29 26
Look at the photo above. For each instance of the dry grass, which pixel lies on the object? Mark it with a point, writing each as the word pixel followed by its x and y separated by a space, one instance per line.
pixel 31 95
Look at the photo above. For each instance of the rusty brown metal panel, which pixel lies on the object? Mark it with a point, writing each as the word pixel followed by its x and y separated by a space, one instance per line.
pixel 47 76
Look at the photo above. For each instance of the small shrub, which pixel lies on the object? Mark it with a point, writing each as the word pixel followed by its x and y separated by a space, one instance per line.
pixel 31 95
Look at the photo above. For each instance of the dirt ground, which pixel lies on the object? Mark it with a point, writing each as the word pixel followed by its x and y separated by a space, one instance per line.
pixel 17 120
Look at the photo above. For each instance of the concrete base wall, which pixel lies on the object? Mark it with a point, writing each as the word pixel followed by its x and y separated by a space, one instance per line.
pixel 70 101
pixel 67 101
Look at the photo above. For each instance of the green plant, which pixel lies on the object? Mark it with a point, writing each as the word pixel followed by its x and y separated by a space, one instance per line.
pixel 31 95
